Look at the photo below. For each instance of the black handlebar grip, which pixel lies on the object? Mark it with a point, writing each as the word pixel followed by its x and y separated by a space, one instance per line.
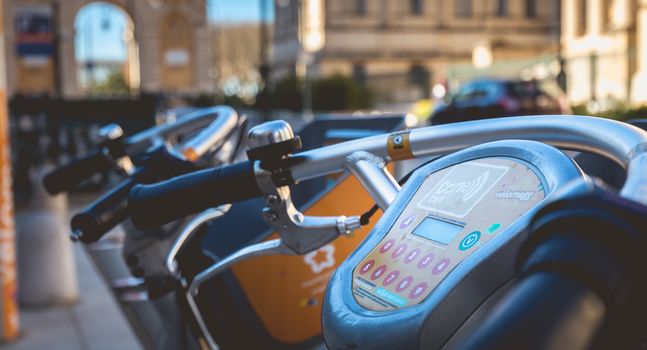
pixel 151 206
pixel 72 174
pixel 103 214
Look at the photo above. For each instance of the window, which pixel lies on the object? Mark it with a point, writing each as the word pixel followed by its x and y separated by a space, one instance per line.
pixel 581 19
pixel 531 8
pixel 420 77
pixel 360 7
pixel 607 18
pixel 502 8
pixel 359 73
pixel 463 8
pixel 416 7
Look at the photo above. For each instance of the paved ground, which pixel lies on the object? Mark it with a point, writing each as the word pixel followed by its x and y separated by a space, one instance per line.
pixel 95 322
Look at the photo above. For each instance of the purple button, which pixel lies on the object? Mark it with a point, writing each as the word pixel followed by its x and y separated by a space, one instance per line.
pixel 426 260
pixel 441 266
pixel 367 267
pixel 378 272
pixel 386 246
pixel 407 221
pixel 390 278
pixel 404 284
pixel 418 290
pixel 399 250
pixel 411 256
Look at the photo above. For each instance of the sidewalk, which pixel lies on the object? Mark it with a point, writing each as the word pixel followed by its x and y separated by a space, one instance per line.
pixel 95 322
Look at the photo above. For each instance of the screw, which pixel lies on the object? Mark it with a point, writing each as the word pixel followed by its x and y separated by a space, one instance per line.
pixel 272 199
pixel 271 216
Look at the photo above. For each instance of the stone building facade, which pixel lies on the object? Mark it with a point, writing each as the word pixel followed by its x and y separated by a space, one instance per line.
pixel 401 48
pixel 166 47
pixel 604 44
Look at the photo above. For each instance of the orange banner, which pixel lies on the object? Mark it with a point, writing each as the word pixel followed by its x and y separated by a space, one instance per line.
pixel 8 305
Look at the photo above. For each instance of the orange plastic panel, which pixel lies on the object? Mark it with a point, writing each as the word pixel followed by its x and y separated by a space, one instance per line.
pixel 286 291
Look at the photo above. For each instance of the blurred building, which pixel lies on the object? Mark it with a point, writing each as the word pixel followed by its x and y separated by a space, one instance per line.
pixel 164 44
pixel 401 48
pixel 604 46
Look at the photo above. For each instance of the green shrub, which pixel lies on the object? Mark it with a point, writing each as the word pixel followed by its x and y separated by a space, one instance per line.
pixel 334 93
pixel 621 113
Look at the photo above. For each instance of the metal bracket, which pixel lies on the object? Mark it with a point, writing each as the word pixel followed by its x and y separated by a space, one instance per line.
pixel 371 172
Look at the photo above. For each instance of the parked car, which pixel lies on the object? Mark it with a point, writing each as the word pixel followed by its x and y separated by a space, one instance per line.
pixel 492 98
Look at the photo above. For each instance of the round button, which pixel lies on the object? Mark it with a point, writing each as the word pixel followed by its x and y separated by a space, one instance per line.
pixel 378 272
pixel 390 278
pixel 418 290
pixel 470 240
pixel 411 256
pixel 404 284
pixel 426 260
pixel 441 266
pixel 407 221
pixel 387 245
pixel 367 267
pixel 399 250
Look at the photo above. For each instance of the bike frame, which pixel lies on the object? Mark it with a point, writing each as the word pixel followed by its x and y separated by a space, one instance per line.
pixel 365 158
pixel 214 126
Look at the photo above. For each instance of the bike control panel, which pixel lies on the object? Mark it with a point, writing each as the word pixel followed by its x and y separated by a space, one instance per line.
pixel 454 212
pixel 444 247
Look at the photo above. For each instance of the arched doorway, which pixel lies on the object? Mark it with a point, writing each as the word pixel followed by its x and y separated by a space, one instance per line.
pixel 105 50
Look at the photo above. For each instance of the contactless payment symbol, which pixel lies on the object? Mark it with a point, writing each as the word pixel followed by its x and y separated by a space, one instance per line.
pixel 407 221
pixel 470 240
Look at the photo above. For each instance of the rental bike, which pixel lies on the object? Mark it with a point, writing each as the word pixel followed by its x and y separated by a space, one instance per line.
pixel 502 242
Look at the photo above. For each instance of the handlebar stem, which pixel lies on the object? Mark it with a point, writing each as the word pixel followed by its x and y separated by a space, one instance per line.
pixel 370 170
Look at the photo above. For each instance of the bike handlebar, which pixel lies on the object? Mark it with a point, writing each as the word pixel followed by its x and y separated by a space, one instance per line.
pixel 72 174
pixel 570 316
pixel 217 123
pixel 151 206
pixel 105 213
pixel 582 279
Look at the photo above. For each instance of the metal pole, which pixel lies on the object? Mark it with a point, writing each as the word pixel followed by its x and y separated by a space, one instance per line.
pixel 263 67
pixel 9 323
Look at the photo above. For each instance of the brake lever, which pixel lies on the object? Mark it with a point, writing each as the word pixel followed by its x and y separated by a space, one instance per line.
pixel 298 234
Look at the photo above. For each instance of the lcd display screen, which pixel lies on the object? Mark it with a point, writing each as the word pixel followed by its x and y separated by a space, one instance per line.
pixel 437 230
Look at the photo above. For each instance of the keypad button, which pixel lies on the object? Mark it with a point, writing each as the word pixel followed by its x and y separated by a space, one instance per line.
pixel 426 260
pixel 378 272
pixel 418 290
pixel 411 256
pixel 387 245
pixel 399 250
pixel 404 284
pixel 406 222
pixel 367 267
pixel 441 266
pixel 390 278
pixel 470 240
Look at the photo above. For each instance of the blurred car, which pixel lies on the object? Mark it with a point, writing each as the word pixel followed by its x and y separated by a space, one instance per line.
pixel 492 98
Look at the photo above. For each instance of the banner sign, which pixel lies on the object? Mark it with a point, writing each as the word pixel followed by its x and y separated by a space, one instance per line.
pixel 34 34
